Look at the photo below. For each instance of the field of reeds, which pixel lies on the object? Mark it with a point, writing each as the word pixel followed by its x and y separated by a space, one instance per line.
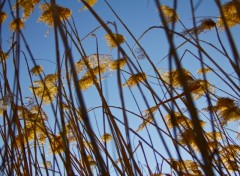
pixel 124 110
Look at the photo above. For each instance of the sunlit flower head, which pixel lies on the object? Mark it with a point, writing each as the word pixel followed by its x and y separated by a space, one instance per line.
pixel 230 15
pixel 91 3
pixel 200 87
pixel 224 103
pixel 229 155
pixel 37 70
pixel 86 82
pixel 118 64
pixel 3 106
pixel 188 138
pixel 89 161
pixel 96 71
pixel 106 137
pixel 169 14
pixel 48 13
pixel 186 167
pixel 93 61
pixel 51 79
pixel 135 79
pixel 204 70
pixel 206 25
pixel 145 122
pixel 177 119
pixel 56 144
pixel 3 17
pixel 16 24
pixel 147 117
pixel 114 40
pixel 149 112
pixel 27 6
pixel 227 110
pixel 229 114
pixel 3 56
pixel 173 77
pixel 213 136
pixel 45 93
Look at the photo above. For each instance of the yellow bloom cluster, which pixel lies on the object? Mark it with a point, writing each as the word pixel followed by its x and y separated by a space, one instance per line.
pixel 135 79
pixel 206 25
pixel 3 17
pixel 186 167
pixel 90 161
pixel 118 64
pixel 97 70
pixel 197 87
pixel 98 64
pixel 227 110
pixel 93 60
pixel 200 87
pixel 230 14
pixel 145 122
pixel 114 40
pixel 90 3
pixel 56 143
pixel 169 14
pixel 3 56
pixel 27 6
pixel 228 155
pixel 204 70
pixel 46 89
pixel 16 24
pixel 106 137
pixel 48 13
pixel 148 117
pixel 173 77
pixel 176 119
pixel 37 70
pixel 34 126
pixel 86 82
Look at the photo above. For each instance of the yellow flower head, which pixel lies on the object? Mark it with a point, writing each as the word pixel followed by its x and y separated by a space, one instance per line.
pixel 173 77
pixel 186 167
pixel 187 138
pixel 16 24
pixel 27 6
pixel 90 161
pixel 114 40
pixel 204 70
pixel 106 137
pixel 145 122
pixel 3 56
pixel 135 79
pixel 224 103
pixel 37 70
pixel 169 14
pixel 90 3
pixel 56 144
pixel 3 17
pixel 118 64
pixel 86 82
pixel 227 110
pixel 230 15
pixel 206 25
pixel 48 13
pixel 96 71
pixel 199 87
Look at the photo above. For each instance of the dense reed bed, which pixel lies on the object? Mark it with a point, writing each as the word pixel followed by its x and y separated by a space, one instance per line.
pixel 92 112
